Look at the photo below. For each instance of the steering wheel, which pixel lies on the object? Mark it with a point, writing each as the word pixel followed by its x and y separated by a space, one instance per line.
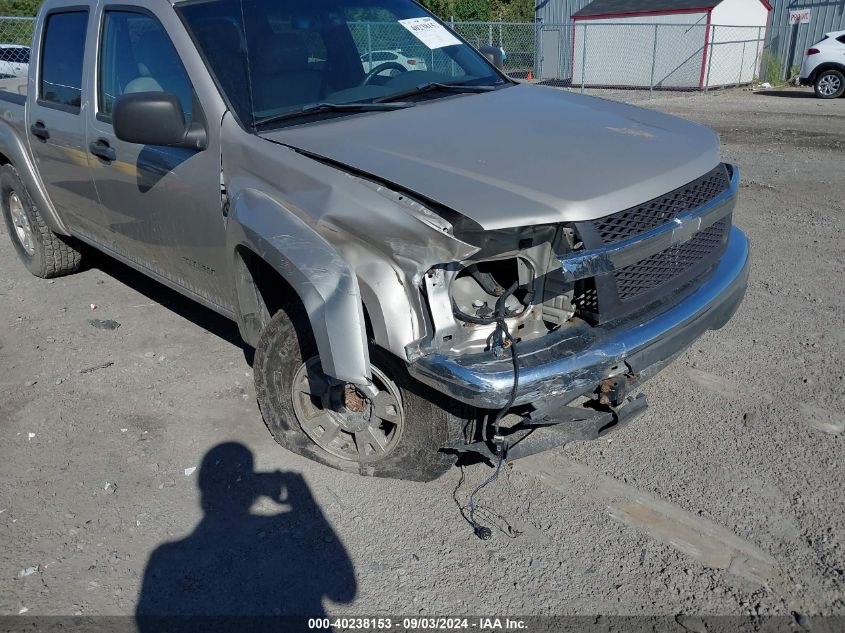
pixel 381 68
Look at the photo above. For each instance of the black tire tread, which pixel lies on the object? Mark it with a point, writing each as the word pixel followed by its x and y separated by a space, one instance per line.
pixel 427 426
pixel 60 255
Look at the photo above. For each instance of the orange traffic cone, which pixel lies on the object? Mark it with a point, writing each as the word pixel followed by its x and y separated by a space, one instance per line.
pixel 530 76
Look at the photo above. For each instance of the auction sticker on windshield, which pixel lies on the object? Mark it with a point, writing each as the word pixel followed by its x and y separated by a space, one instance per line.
pixel 430 33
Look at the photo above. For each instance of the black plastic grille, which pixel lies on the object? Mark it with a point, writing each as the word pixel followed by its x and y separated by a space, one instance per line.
pixel 649 215
pixel 586 296
pixel 658 269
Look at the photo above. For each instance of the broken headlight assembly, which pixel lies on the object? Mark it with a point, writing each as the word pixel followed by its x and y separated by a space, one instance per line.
pixel 477 289
pixel 524 281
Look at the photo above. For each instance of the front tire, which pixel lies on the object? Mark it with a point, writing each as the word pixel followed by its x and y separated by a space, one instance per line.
pixel 398 434
pixel 44 253
pixel 830 84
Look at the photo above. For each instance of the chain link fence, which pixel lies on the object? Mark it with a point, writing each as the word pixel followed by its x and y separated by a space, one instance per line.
pixel 655 56
pixel 578 55
pixel 15 39
pixel 518 40
pixel 628 56
pixel 647 56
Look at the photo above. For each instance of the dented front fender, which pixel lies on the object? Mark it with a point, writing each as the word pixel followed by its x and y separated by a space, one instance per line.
pixel 318 274
pixel 346 244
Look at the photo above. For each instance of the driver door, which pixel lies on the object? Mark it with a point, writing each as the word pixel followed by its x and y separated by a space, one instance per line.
pixel 162 204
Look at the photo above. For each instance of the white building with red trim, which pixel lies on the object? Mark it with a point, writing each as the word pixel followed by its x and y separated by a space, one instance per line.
pixel 668 44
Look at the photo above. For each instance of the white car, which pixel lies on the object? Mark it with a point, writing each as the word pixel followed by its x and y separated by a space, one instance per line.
pixel 375 59
pixel 824 66
pixel 14 60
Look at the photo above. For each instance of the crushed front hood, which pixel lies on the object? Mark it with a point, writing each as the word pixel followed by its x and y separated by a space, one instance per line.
pixel 519 156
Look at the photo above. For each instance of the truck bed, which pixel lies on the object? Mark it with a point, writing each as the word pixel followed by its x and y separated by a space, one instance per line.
pixel 13 87
pixel 13 101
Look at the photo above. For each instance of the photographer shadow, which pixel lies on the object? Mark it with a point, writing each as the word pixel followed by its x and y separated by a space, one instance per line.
pixel 243 571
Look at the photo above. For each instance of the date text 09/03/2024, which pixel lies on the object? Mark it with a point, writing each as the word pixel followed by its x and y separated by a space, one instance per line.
pixel 418 624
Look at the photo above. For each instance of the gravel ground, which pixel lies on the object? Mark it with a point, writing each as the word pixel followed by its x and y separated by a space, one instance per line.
pixel 725 497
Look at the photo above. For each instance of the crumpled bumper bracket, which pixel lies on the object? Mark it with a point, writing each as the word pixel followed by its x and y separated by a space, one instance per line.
pixel 571 424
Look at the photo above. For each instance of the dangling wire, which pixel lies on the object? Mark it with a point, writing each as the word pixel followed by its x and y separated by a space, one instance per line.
pixel 502 339
pixel 486 514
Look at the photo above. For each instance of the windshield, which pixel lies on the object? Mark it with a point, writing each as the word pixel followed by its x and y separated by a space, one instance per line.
pixel 273 57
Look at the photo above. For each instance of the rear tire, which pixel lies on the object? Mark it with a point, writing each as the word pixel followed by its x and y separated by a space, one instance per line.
pixel 830 84
pixel 411 449
pixel 44 253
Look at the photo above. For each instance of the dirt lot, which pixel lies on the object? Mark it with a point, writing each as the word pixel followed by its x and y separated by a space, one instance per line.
pixel 726 497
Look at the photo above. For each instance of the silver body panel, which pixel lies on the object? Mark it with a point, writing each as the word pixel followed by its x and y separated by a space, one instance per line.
pixel 161 206
pixel 521 155
pixel 63 159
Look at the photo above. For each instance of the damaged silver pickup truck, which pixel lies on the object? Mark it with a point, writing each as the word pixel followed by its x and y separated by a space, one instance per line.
pixel 413 250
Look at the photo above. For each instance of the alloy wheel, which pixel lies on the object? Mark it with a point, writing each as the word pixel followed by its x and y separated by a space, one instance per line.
pixel 829 85
pixel 20 220
pixel 343 421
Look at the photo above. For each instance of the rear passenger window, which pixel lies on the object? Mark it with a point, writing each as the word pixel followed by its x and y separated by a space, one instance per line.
pixel 62 58
pixel 138 56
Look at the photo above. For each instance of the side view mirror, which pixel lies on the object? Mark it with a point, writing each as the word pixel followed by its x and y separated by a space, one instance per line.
pixel 155 118
pixel 494 56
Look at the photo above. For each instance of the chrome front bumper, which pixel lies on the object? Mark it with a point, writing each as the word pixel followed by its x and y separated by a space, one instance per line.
pixel 571 362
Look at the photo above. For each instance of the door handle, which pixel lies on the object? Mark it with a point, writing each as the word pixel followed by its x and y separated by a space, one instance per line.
pixel 101 149
pixel 40 130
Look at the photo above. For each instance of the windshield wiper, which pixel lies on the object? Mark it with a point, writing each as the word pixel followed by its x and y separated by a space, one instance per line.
pixel 433 87
pixel 316 108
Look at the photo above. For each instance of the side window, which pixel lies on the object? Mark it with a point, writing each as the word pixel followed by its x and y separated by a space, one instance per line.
pixel 136 55
pixel 62 58
pixel 841 38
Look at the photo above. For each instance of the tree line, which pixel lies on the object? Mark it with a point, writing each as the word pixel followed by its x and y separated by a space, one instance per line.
pixel 19 7
pixel 483 10
pixel 469 10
